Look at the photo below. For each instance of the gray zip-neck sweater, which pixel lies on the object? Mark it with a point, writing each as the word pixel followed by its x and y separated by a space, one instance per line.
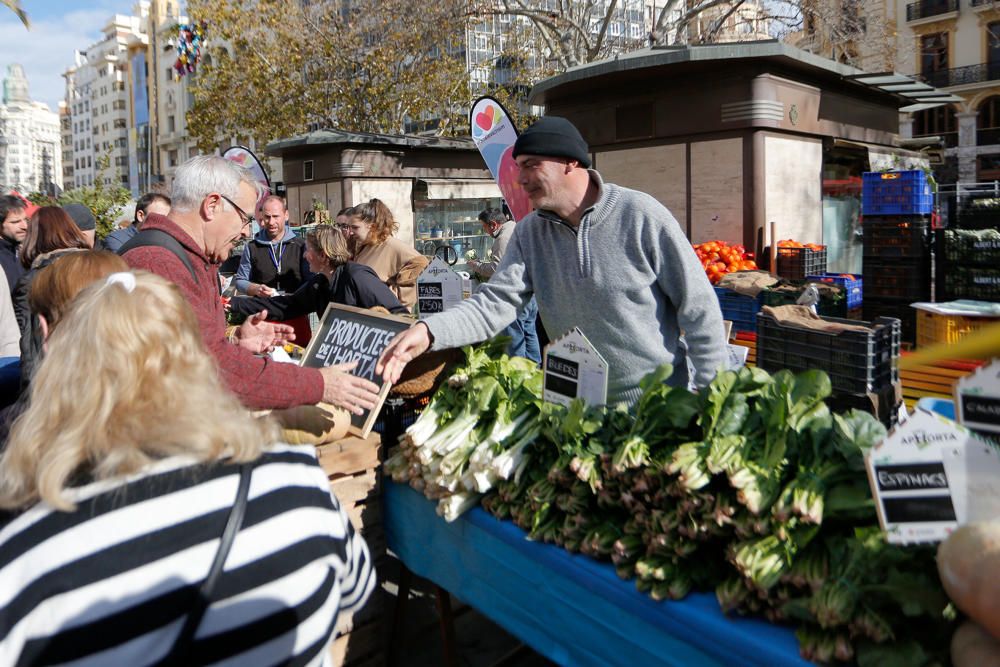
pixel 628 277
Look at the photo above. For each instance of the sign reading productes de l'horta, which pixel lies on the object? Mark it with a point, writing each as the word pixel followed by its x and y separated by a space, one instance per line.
pixel 347 334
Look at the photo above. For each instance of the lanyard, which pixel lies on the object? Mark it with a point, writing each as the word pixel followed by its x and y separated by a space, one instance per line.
pixel 276 259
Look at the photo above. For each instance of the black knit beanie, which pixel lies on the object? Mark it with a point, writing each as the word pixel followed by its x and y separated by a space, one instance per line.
pixel 553 136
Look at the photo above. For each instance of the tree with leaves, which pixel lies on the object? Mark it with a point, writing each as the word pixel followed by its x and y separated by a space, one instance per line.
pixel 366 66
pixel 105 198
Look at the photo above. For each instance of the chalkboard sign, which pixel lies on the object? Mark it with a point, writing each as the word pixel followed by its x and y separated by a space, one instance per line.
pixel 348 334
pixel 438 288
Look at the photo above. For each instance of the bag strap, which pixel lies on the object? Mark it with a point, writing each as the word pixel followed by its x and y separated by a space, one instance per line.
pixel 160 239
pixel 182 646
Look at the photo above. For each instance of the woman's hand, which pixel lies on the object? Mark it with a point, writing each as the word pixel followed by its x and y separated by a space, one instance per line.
pixel 260 336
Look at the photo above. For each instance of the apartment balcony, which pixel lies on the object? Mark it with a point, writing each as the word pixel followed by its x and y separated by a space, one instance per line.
pixel 923 9
pixel 963 76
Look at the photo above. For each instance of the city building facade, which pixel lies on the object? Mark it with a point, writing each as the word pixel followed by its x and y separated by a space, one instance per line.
pixel 98 100
pixel 955 45
pixel 30 141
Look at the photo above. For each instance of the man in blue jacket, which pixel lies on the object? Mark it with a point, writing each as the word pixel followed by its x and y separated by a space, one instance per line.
pixel 273 261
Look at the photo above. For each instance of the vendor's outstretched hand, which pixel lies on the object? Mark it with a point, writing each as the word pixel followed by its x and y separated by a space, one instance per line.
pixel 405 347
pixel 347 391
pixel 260 336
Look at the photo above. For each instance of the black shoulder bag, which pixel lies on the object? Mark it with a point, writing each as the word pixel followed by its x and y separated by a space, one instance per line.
pixel 180 653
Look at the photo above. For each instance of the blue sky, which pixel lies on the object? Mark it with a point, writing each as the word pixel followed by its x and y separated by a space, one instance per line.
pixel 58 27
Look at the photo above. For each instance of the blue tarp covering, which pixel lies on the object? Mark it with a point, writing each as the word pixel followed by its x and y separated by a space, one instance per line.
pixel 568 607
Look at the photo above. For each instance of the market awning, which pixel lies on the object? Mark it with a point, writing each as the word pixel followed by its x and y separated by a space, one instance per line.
pixel 455 188
pixel 920 95
pixel 886 157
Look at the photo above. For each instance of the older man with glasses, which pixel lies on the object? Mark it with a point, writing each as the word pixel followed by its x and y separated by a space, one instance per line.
pixel 210 200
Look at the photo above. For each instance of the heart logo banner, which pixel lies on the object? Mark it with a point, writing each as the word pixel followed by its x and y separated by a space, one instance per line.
pixel 494 135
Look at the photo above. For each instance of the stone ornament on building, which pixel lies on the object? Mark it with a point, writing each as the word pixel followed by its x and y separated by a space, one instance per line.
pixel 793 114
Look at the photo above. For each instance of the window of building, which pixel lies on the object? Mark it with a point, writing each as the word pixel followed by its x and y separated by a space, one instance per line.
pixel 170 73
pixel 939 121
pixel 172 158
pixel 89 163
pixel 120 123
pixel 307 170
pixel 171 125
pixel 934 53
pixel 86 105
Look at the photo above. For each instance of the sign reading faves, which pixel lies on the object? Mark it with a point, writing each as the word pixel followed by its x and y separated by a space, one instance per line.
pixel 931 475
pixel 438 288
pixel 977 399
pixel 574 369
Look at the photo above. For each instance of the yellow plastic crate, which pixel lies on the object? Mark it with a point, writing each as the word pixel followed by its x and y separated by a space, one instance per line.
pixel 937 328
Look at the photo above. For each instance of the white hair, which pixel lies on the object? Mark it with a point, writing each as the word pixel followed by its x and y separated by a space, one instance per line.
pixel 202 175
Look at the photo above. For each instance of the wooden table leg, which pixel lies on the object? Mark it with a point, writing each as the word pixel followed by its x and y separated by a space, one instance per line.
pixel 447 626
pixel 399 614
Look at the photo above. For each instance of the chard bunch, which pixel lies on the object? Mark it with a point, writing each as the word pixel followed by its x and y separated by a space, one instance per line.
pixel 473 433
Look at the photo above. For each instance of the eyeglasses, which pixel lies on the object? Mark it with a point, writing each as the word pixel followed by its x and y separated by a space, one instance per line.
pixel 244 216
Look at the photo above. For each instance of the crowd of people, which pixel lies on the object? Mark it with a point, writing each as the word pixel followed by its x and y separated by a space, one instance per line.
pixel 148 513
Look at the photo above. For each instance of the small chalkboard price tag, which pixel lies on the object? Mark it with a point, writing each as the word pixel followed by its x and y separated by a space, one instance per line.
pixel 931 475
pixel 438 288
pixel 977 399
pixel 574 369
pixel 348 334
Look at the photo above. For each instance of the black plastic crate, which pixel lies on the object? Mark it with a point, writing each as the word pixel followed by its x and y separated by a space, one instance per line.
pixel 979 213
pixel 882 404
pixel 969 246
pixel 897 237
pixel 796 263
pixel 968 281
pixel 899 309
pixel 856 361
pixel 397 415
pixel 897 279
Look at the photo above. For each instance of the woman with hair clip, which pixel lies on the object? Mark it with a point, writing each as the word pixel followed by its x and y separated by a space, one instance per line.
pixel 336 279
pixel 370 228
pixel 152 519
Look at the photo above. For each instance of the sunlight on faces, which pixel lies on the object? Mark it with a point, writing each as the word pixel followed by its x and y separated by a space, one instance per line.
pixel 356 233
pixel 544 179
pixel 317 262
pixel 226 226
pixel 15 226
pixel 273 218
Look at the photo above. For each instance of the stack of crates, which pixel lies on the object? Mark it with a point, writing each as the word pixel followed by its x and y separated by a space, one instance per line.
pixel 897 209
pixel 968 253
pixel 862 363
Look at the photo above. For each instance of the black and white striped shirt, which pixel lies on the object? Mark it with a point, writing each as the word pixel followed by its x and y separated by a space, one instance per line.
pixel 111 583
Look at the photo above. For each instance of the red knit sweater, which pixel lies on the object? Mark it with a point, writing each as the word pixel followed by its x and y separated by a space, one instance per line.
pixel 258 382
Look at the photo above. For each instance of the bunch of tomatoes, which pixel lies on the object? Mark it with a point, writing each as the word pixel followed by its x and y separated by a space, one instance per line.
pixel 719 258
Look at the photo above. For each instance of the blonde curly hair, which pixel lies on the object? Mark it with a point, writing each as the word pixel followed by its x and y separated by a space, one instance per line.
pixel 148 390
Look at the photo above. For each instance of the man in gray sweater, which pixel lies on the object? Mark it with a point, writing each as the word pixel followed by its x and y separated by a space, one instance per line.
pixel 523 338
pixel 606 259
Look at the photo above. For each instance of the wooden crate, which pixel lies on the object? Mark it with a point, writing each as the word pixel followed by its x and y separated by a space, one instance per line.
pixel 354 467
pixel 934 381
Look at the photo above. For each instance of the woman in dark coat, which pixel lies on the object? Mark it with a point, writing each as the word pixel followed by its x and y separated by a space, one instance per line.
pixel 337 280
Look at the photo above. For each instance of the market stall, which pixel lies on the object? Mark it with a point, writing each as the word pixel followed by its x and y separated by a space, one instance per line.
pixel 568 607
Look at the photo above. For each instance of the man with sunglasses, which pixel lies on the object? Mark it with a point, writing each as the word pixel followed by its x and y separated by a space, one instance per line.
pixel 211 198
